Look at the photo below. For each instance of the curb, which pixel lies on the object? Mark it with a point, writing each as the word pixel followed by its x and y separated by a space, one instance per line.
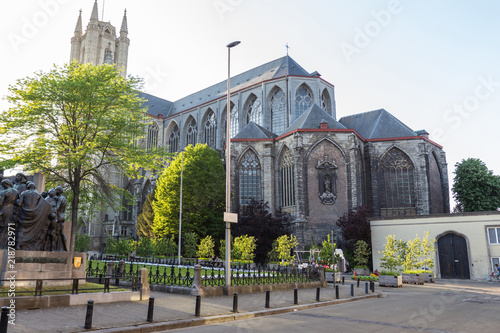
pixel 169 325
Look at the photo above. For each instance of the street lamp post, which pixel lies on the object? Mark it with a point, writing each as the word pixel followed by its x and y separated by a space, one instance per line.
pixel 180 213
pixel 227 272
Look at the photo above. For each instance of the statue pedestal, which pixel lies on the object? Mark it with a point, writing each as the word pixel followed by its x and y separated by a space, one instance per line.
pixel 41 265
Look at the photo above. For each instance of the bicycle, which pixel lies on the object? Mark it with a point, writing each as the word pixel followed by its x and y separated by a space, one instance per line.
pixel 492 279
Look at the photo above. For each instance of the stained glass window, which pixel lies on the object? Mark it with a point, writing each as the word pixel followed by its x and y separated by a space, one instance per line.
pixel 173 140
pixel 303 100
pixel 250 178
pixel 253 110
pixel 278 111
pixel 192 133
pixel 396 184
pixel 210 129
pixel 326 103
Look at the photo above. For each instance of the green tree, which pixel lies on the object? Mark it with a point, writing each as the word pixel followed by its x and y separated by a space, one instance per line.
pixel 206 248
pixel 165 246
pixel 190 244
pixel 285 245
pixel 475 188
pixel 362 253
pixel 427 251
pixel 145 219
pixel 122 247
pixel 203 194
pixel 244 247
pixel 82 242
pixel 412 254
pixel 392 256
pixel 72 124
pixel 326 252
pixel 145 247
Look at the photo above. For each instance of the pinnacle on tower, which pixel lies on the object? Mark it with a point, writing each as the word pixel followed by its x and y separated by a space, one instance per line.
pixel 78 28
pixel 95 14
pixel 124 27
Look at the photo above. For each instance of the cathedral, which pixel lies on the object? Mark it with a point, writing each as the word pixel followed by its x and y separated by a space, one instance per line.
pixel 289 147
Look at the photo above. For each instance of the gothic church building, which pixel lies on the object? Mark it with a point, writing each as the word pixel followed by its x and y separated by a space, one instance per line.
pixel 289 147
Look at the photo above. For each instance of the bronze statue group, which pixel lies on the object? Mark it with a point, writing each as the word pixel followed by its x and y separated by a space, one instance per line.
pixel 38 219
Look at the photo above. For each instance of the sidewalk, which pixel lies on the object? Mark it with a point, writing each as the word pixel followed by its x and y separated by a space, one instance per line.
pixel 168 308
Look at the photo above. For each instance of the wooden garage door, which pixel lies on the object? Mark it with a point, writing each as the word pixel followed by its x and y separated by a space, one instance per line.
pixel 453 257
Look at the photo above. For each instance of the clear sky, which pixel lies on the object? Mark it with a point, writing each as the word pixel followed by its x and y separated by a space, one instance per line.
pixel 433 65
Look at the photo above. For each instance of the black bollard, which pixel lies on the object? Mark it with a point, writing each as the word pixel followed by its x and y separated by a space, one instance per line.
pixel 4 320
pixel 317 294
pixel 235 302
pixel 295 296
pixel 366 287
pixel 268 294
pixel 88 316
pixel 352 290
pixel 343 278
pixel 358 283
pixel 337 292
pixel 198 306
pixel 373 286
pixel 151 307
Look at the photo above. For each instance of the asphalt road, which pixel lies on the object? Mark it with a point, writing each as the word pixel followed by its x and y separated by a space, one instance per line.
pixel 447 306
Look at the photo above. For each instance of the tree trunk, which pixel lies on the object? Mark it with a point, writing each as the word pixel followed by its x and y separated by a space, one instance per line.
pixel 74 216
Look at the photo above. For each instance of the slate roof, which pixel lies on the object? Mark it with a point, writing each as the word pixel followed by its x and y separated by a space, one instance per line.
pixel 156 106
pixel 254 131
pixel 312 118
pixel 378 124
pixel 273 69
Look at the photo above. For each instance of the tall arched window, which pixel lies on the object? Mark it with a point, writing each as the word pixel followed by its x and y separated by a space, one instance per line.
pixel 173 139
pixel 250 175
pixel 192 133
pixel 253 110
pixel 396 184
pixel 287 173
pixel 152 139
pixel 278 111
pixel 210 130
pixel 234 122
pixel 326 103
pixel 303 100
pixel 128 199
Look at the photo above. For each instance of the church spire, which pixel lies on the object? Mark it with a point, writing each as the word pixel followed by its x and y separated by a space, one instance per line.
pixel 95 14
pixel 124 27
pixel 78 28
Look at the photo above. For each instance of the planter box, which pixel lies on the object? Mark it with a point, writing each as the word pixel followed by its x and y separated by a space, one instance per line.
pixel 329 277
pixel 413 278
pixel 362 271
pixel 390 281
pixel 428 277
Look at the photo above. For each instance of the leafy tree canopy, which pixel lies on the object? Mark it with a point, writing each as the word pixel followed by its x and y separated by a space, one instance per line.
pixel 354 227
pixel 256 220
pixel 475 188
pixel 203 194
pixel 72 123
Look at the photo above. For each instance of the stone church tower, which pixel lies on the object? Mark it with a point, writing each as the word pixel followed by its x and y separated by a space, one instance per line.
pixel 99 44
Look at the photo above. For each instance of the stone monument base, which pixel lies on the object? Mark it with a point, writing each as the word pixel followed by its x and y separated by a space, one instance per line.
pixel 27 266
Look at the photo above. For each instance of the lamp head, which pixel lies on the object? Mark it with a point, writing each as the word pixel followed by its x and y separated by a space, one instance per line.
pixel 233 44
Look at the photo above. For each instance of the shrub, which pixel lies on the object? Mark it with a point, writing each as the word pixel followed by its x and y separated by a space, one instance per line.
pixel 190 244
pixel 206 248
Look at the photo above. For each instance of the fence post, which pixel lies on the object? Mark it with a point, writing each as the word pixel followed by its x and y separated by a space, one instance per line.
pixel 144 290
pixel 197 308
pixel 295 296
pixel 4 320
pixel 197 283
pixel 151 307
pixel 268 296
pixel 111 269
pixel 235 302
pixel 88 316
pixel 75 287
pixel 322 278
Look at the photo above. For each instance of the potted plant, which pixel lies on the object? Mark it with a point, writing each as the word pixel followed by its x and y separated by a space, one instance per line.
pixel 391 260
pixel 361 257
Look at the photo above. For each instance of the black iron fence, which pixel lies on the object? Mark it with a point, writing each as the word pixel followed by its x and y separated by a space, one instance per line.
pixel 174 275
